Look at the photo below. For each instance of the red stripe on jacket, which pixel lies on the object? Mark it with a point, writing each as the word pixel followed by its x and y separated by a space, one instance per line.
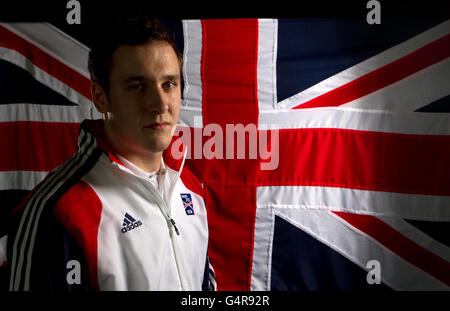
pixel 79 210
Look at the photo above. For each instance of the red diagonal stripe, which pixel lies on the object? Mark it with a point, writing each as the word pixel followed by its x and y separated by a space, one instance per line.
pixel 46 62
pixel 361 160
pixel 36 146
pixel 382 77
pixel 400 245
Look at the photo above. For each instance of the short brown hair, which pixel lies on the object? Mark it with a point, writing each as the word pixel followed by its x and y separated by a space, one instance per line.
pixel 124 31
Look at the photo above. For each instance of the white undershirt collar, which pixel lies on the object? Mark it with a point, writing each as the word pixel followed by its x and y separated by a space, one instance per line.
pixel 140 172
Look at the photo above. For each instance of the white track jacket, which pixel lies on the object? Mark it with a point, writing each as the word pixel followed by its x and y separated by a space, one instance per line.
pixel 94 224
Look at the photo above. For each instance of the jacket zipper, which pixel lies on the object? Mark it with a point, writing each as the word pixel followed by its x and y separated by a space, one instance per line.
pixel 174 226
pixel 171 223
pixel 167 215
pixel 165 210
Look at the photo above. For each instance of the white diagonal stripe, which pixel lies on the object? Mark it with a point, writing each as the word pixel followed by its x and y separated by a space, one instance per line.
pixel 410 93
pixel 418 236
pixel 43 77
pixel 54 42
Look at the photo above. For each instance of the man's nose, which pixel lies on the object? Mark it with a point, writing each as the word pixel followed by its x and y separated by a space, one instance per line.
pixel 158 102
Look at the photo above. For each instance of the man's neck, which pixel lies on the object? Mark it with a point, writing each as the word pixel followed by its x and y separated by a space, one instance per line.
pixel 147 161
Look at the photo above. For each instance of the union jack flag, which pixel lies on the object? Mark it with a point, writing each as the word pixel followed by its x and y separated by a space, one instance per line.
pixel 362 118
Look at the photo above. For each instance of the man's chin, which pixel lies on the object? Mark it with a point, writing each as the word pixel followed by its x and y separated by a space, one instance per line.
pixel 157 146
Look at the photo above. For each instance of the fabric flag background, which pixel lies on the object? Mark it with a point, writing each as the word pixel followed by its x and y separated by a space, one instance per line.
pixel 361 117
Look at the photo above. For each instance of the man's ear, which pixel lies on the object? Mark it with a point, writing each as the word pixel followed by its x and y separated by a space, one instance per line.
pixel 99 97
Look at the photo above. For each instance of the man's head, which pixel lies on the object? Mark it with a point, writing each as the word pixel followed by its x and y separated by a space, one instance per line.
pixel 136 73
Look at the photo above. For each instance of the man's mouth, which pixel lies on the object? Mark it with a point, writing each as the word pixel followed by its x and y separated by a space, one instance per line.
pixel 157 126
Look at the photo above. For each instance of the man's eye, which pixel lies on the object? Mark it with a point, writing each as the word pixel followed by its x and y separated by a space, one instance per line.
pixel 169 84
pixel 136 86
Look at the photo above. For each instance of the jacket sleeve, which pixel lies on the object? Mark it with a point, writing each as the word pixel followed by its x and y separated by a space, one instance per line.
pixel 44 247
pixel 51 260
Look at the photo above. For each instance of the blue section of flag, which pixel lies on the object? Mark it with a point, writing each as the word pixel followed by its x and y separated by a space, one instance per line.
pixel 19 86
pixel 9 199
pixel 440 105
pixel 438 230
pixel 312 50
pixel 175 29
pixel 301 262
pixel 187 203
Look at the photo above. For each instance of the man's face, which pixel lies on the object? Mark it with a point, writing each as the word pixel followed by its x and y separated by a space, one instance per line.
pixel 144 97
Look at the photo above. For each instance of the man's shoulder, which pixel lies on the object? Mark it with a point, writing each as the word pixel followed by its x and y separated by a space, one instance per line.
pixel 78 203
pixel 75 199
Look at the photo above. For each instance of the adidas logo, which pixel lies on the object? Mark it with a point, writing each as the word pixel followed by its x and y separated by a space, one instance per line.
pixel 129 223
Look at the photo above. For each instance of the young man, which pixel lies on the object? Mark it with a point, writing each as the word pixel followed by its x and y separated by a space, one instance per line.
pixel 121 214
